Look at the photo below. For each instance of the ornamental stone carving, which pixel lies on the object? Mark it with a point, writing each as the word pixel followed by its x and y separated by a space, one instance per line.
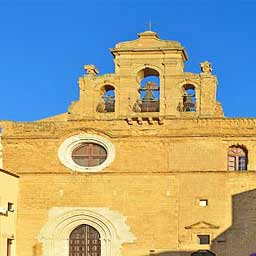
pixel 67 147
pixel 114 232
pixel 91 70
pixel 206 67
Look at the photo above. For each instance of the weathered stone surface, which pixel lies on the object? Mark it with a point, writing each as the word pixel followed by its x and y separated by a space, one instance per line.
pixel 165 162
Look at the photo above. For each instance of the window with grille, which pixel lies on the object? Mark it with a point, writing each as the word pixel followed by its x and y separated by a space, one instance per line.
pixel 89 154
pixel 237 158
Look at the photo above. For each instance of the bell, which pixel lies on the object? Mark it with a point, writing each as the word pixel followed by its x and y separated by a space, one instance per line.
pixel 148 95
pixel 109 99
pixel 187 98
pixel 151 86
pixel 188 102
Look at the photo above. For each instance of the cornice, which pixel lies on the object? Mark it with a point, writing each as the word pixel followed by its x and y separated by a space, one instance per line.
pixel 119 128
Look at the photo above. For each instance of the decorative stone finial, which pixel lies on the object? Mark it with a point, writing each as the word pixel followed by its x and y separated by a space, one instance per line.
pixel 206 67
pixel 91 70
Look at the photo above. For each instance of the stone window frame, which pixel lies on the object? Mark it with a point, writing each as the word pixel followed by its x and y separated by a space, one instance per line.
pixel 237 158
pixel 201 236
pixel 69 144
pixel 202 232
pixel 203 202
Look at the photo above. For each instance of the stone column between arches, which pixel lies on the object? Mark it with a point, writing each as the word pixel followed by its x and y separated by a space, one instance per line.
pixel 111 225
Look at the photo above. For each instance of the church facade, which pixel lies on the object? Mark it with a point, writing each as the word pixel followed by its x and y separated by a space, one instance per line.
pixel 143 163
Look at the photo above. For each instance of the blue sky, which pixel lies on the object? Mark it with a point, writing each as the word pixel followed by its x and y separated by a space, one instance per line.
pixel 45 43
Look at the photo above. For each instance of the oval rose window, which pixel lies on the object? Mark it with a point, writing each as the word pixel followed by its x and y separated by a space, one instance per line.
pixel 89 154
pixel 86 153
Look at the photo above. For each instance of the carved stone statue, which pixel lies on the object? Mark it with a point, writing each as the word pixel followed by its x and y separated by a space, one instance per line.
pixel 206 67
pixel 91 70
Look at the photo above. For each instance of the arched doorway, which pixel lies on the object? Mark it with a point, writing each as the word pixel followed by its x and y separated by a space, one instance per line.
pixel 112 230
pixel 84 241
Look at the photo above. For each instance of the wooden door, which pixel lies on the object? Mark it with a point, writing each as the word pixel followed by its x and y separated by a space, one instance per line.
pixel 84 241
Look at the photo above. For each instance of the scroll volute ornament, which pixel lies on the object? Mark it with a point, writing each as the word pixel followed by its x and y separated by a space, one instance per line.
pixel 206 67
pixel 91 70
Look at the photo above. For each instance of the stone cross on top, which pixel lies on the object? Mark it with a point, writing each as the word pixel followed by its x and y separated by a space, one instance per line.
pixel 150 25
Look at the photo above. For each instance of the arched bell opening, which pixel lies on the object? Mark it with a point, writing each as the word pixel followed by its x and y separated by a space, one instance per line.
pixel 107 99
pixel 149 91
pixel 189 98
pixel 84 240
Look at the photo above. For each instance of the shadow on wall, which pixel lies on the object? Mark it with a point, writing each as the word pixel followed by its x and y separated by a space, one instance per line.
pixel 37 249
pixel 171 253
pixel 240 238
pixel 184 253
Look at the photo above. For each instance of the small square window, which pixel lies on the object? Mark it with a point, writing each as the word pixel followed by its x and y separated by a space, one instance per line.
pixel 203 239
pixel 203 202
pixel 10 207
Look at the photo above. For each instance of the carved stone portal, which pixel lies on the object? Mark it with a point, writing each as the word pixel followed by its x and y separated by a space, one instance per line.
pixel 111 226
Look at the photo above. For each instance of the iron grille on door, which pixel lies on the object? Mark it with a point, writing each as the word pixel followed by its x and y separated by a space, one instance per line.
pixel 84 241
